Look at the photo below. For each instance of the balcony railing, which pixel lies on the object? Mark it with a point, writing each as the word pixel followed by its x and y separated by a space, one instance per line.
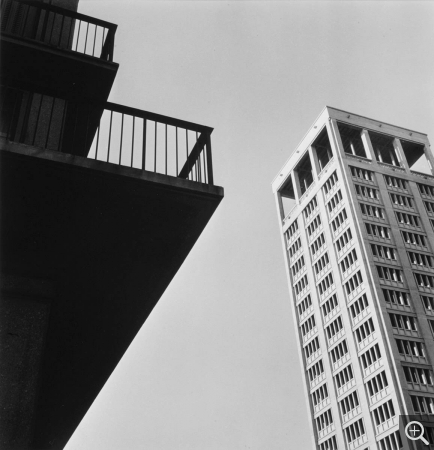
pixel 108 132
pixel 59 27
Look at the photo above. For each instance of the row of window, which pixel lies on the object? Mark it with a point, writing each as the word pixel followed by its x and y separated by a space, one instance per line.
pixel 308 325
pixel 403 322
pixel 358 306
pixel 316 370
pixel 348 261
pixel 344 239
pixel 372 210
pixel 334 327
pixel 317 244
pixel 382 251
pixel 330 305
pixel 401 200
pixel 410 348
pixel 407 219
pixel 299 264
pixel 314 224
pixel 377 383
pixel 353 283
pixel 426 190
pixel 390 274
pixel 394 182
pixel 312 347
pixel 293 228
pixel 383 413
pixel 367 192
pixel 331 181
pixel 310 208
pixel 365 330
pixel 325 283
pixel 321 264
pixel 301 285
pixel 418 375
pixel 335 201
pixel 304 305
pixel 424 281
pixel 339 220
pixel 295 247
pixel 421 259
pixel 339 351
pixel 362 174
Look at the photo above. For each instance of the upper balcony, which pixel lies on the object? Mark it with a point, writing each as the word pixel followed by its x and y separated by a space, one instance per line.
pixel 57 48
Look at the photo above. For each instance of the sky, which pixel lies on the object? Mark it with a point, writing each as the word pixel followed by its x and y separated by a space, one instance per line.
pixel 215 366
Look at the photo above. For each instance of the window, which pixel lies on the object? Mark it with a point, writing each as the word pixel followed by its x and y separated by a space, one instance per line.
pixel 421 259
pixel 344 376
pixel 390 274
pixel 317 244
pixel 320 394
pixel 330 305
pixel 293 228
pixel 344 239
pixel 334 328
pixel 323 149
pixel 311 348
pixel 429 206
pixel 316 370
pixel 377 384
pixel 422 405
pixel 413 238
pixel 332 180
pixel 424 281
pixel 352 140
pixel 396 297
pixel 321 264
pixel 313 226
pixel 348 261
pixel 407 219
pixel 308 325
pixel 416 157
pixel 403 322
pixel 428 302
pixel 301 285
pixel 325 284
pixel 401 200
pixel 372 211
pixel 359 306
pixel 304 305
pixel 310 208
pixel 362 174
pixel 371 356
pixel 410 348
pixel 295 247
pixel 329 444
pixel 324 420
pixel 298 265
pixel 349 403
pixel 384 412
pixel 418 375
pixel 364 331
pixel 353 283
pixel 339 220
pixel 335 201
pixel 354 431
pixel 391 442
pixel 394 182
pixel 377 230
pixel 381 251
pixel 367 192
pixel 338 352
pixel 424 189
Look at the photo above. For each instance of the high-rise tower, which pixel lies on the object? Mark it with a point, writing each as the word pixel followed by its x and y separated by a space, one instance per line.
pixel 101 203
pixel 356 209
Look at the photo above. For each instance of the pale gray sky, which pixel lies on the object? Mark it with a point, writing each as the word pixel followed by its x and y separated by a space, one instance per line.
pixel 215 366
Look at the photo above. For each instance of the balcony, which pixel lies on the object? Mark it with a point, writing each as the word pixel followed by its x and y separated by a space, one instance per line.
pixel 58 49
pixel 108 133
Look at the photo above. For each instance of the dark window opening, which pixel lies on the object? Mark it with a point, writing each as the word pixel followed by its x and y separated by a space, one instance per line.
pixel 304 171
pixel 287 196
pixel 323 149
pixel 384 149
pixel 352 140
pixel 416 158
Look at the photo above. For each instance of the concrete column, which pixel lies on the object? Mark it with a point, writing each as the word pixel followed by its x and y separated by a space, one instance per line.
pixel 370 154
pixel 400 154
pixel 316 169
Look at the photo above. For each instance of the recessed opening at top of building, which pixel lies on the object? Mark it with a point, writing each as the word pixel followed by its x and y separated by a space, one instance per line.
pixel 384 148
pixel 323 149
pixel 304 172
pixel 416 158
pixel 287 196
pixel 351 138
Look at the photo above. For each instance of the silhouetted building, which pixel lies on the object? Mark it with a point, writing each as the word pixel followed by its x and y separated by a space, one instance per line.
pixel 101 204
pixel 356 209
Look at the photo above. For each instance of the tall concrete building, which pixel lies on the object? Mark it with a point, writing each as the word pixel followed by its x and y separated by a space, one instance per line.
pixel 355 203
pixel 101 204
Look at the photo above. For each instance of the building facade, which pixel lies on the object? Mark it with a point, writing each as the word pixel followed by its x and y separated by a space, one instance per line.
pixel 356 209
pixel 101 204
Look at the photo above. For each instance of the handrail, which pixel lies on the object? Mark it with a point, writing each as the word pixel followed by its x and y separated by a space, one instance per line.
pixel 59 27
pixel 108 132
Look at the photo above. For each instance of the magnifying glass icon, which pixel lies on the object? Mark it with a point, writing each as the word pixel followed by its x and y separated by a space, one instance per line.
pixel 414 431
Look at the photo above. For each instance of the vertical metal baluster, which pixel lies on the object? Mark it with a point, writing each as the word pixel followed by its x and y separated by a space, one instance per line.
pixel 37 120
pixel 186 149
pixel 205 166
pixel 85 42
pixel 166 148
pixel 155 149
pixel 122 134
pixel 132 142
pixel 69 43
pixel 209 159
pixel 62 127
pixel 61 31
pixel 49 123
pixel 176 135
pixel 195 164
pixel 144 145
pixel 97 137
pixel 110 135
pixel 78 35
pixel 52 28
pixel 102 41
pixel 94 40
